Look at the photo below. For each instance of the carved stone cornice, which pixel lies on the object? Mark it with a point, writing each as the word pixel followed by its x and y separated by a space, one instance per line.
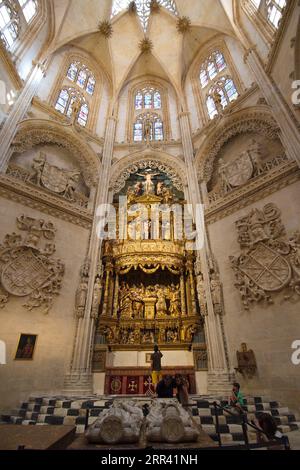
pixel 240 123
pixel 255 190
pixel 38 199
pixel 33 132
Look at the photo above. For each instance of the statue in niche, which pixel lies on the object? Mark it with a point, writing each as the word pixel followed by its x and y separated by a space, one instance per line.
pixel 216 293
pixel 72 185
pixel 137 301
pixel 81 295
pixel 148 185
pixel 161 305
pixel 190 332
pixel 246 361
pixel 148 131
pixel 217 97
pixel 97 293
pixel 125 302
pixel 175 303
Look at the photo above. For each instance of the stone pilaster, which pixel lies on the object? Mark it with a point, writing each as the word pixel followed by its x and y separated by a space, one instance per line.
pixel 79 378
pixel 218 377
pixel 18 113
pixel 281 111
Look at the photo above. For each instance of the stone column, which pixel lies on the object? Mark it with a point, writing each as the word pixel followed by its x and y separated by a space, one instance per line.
pixel 18 113
pixel 281 111
pixel 218 375
pixel 79 378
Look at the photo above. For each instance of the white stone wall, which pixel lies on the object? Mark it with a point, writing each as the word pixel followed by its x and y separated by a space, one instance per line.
pixel 45 373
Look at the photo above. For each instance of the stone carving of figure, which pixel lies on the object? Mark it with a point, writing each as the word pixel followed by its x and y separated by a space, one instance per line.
pixel 167 195
pixel 71 186
pixel 76 107
pixel 81 295
pixel 161 305
pixel 137 302
pixel 174 301
pixel 125 302
pixel 96 297
pixel 147 131
pixel 37 167
pixel 148 184
pixel 201 294
pixel 223 176
pixel 218 101
pixel 256 156
pixel 216 293
pixel 159 188
pixel 256 226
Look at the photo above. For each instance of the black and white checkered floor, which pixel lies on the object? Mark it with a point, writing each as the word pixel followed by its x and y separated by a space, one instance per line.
pixel 72 411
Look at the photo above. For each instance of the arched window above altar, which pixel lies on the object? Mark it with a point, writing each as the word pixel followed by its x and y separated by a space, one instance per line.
pixel 148 127
pixel 70 102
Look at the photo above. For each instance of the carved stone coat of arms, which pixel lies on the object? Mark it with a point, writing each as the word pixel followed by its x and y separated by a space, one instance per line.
pixel 270 260
pixel 27 268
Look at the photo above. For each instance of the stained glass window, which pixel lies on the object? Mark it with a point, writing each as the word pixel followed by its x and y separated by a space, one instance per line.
pixel 148 126
pixel 143 8
pixel 81 75
pixel 29 8
pixel 83 115
pixel 271 9
pixel 211 67
pixel 148 98
pixel 9 24
pixel 72 72
pixel 65 104
pixel 139 100
pixel 224 88
pixel 158 130
pixel 81 80
pixel 157 100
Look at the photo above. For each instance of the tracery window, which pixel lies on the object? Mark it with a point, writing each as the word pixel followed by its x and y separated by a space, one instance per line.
pixel 211 67
pixel 143 9
pixel 271 10
pixel 81 75
pixel 71 101
pixel 220 94
pixel 148 98
pixel 14 16
pixel 148 126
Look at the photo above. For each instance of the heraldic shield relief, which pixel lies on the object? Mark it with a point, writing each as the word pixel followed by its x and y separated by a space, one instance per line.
pixel 270 260
pixel 27 268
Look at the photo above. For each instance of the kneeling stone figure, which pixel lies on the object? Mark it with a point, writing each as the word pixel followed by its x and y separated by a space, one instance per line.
pixel 119 424
pixel 169 422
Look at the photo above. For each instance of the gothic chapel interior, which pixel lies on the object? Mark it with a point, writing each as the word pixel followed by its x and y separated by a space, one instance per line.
pixel 111 112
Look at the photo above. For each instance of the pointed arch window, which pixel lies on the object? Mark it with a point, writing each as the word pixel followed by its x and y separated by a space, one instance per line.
pixel 82 76
pixel 222 93
pixel 148 98
pixel 271 10
pixel 65 105
pixel 148 126
pixel 29 8
pixel 211 67
pixel 9 23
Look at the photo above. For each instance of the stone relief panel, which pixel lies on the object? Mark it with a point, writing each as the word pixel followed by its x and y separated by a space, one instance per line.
pixel 243 159
pixel 53 170
pixel 270 259
pixel 27 267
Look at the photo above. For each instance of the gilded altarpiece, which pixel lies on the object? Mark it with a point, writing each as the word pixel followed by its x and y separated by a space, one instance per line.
pixel 149 289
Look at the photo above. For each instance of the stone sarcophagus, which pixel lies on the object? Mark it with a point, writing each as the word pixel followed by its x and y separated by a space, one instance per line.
pixel 120 424
pixel 169 422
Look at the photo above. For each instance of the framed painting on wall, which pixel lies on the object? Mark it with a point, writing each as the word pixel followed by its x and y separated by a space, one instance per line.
pixel 26 347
